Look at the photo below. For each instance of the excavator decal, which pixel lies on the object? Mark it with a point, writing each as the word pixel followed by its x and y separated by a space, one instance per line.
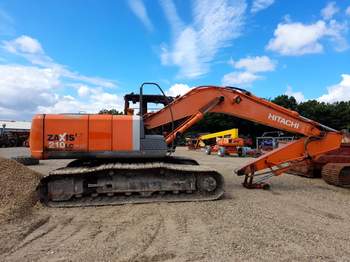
pixel 61 141
pixel 283 121
pixel 61 137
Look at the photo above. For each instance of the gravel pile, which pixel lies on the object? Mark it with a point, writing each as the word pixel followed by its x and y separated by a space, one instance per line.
pixel 17 192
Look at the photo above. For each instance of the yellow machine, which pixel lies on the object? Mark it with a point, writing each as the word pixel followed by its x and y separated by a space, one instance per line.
pixel 199 141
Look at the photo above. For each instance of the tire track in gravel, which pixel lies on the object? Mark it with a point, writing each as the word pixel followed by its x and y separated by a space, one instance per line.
pixel 68 231
pixel 183 236
pixel 118 234
pixel 174 232
pixel 151 238
pixel 12 235
pixel 133 217
pixel 44 237
pixel 113 233
pixel 130 238
pixel 35 226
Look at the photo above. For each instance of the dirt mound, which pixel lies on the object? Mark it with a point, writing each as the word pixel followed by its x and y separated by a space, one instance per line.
pixel 17 192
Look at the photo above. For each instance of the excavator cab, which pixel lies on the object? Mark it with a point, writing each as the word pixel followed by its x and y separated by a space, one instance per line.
pixel 146 100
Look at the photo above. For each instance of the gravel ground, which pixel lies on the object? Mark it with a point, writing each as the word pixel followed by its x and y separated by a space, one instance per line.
pixel 298 219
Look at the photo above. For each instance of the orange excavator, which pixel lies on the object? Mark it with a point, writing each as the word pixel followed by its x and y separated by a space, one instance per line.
pixel 124 159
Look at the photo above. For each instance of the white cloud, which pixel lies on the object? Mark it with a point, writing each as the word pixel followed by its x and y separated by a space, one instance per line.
pixel 215 24
pixel 295 39
pixel 250 66
pixel 259 5
pixel 256 64
pixel 6 113
pixel 338 92
pixel 299 96
pixel 69 104
pixel 178 89
pixel 97 81
pixel 39 87
pixel 335 93
pixel 347 11
pixel 239 79
pixel 171 15
pixel 335 32
pixel 185 55
pixel 83 90
pixel 329 11
pixel 139 9
pixel 24 88
pixel 24 44
pixel 31 50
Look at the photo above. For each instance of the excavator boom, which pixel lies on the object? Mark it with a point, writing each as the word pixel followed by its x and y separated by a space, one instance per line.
pixel 239 103
pixel 317 139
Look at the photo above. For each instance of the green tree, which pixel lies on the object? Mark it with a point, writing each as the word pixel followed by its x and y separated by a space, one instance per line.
pixel 286 101
pixel 110 112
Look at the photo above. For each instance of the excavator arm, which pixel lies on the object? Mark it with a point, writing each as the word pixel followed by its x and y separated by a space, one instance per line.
pixel 317 139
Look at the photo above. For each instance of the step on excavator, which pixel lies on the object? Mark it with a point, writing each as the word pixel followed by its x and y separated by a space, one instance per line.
pixel 127 158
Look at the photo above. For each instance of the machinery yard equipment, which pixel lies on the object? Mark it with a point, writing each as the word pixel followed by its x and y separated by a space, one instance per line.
pixel 12 139
pixel 125 158
pixel 211 139
pixel 196 143
pixel 223 143
pixel 229 146
pixel 272 140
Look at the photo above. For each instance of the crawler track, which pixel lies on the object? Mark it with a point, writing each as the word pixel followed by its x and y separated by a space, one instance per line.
pixel 96 184
pixel 337 174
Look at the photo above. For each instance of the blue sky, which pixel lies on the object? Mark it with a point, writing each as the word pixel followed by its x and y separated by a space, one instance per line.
pixel 84 55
